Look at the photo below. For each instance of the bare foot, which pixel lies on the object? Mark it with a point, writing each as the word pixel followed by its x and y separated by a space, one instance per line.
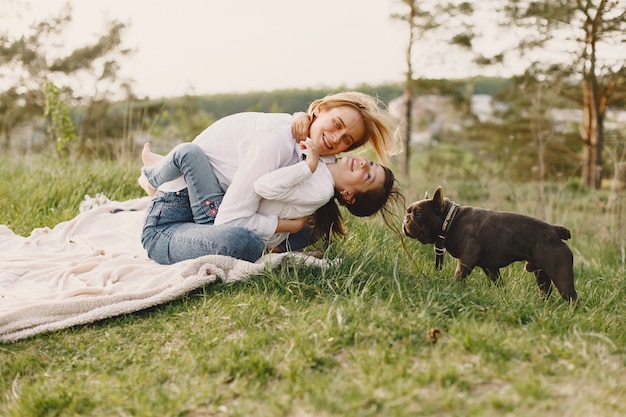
pixel 148 157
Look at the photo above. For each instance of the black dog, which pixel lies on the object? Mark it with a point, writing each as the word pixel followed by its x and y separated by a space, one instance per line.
pixel 492 240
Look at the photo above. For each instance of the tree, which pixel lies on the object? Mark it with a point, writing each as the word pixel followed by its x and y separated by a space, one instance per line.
pixel 410 19
pixel 530 142
pixel 446 24
pixel 521 140
pixel 86 76
pixel 60 126
pixel 595 53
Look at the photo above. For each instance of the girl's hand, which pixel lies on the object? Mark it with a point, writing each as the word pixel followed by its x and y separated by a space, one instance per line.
pixel 300 126
pixel 312 154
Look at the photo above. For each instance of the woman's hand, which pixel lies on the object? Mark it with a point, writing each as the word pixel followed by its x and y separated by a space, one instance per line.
pixel 300 126
pixel 291 225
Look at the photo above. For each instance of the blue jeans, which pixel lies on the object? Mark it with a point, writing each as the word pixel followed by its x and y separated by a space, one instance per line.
pixel 299 240
pixel 170 235
pixel 190 161
pixel 179 225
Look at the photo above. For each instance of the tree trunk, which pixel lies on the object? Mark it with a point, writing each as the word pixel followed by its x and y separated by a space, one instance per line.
pixel 593 107
pixel 408 102
pixel 408 90
pixel 591 134
pixel 6 142
pixel 84 129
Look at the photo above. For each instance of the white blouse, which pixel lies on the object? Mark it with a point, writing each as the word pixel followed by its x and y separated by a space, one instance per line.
pixel 241 148
pixel 293 192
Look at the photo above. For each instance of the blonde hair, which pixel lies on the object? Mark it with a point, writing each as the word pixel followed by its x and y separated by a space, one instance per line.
pixel 380 127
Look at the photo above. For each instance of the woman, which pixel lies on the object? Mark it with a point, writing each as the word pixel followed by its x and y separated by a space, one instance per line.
pixel 241 148
pixel 293 192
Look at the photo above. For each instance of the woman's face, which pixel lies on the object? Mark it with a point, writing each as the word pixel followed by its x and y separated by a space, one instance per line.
pixel 355 175
pixel 335 129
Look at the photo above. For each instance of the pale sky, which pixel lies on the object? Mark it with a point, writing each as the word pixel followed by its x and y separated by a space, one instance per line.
pixel 213 46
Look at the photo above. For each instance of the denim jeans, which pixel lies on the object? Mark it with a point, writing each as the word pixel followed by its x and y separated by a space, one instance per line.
pixel 190 161
pixel 300 240
pixel 179 225
pixel 170 235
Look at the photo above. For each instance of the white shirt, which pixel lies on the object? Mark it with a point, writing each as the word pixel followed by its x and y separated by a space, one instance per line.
pixel 241 148
pixel 293 192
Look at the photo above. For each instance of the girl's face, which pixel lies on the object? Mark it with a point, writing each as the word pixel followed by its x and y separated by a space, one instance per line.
pixel 335 129
pixel 356 174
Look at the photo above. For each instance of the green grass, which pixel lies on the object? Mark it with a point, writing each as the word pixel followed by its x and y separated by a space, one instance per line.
pixel 347 341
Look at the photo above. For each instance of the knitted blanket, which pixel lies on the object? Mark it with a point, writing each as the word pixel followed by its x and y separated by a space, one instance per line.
pixel 94 267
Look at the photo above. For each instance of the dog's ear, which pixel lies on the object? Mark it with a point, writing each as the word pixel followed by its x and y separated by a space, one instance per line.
pixel 438 201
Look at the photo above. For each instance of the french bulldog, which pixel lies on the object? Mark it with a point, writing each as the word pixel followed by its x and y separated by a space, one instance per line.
pixel 492 240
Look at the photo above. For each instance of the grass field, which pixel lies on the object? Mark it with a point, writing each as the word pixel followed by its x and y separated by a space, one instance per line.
pixel 353 340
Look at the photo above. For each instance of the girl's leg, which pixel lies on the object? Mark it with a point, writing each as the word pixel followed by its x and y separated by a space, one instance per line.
pixel 189 160
pixel 169 236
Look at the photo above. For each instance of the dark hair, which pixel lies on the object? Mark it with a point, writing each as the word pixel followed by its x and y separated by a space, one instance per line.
pixel 327 219
pixel 368 203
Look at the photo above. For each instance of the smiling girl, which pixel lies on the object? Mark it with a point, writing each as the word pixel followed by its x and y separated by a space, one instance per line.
pixel 213 212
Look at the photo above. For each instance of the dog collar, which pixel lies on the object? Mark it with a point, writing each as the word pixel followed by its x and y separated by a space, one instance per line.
pixel 453 208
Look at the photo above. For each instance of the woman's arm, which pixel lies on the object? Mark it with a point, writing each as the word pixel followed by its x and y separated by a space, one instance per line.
pixel 259 154
pixel 291 225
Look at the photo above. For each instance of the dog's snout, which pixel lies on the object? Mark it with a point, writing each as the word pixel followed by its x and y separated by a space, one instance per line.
pixel 408 223
pixel 408 216
pixel 412 224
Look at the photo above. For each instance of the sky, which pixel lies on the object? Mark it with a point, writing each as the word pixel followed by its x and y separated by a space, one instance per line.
pixel 215 46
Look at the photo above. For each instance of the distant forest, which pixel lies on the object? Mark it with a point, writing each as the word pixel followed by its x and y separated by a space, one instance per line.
pixel 514 143
pixel 293 100
pixel 564 116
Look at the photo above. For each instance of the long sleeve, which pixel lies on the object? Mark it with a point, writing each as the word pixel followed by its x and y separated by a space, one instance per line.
pixel 296 184
pixel 293 192
pixel 259 153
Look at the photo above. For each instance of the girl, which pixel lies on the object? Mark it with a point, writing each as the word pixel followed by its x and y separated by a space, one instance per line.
pixel 241 148
pixel 293 193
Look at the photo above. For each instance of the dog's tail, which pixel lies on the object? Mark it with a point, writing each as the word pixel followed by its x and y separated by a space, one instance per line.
pixel 563 232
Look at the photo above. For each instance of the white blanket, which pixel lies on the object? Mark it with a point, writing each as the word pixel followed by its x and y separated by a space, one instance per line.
pixel 94 267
